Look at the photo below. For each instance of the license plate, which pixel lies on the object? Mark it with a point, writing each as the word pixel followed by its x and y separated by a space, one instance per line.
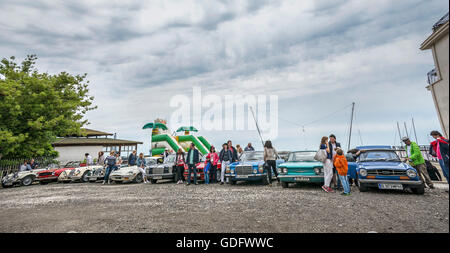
pixel 158 177
pixel 242 176
pixel 125 178
pixel 390 186
pixel 302 179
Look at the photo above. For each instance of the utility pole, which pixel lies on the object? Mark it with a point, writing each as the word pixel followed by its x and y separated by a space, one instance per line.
pixel 351 125
pixel 257 127
pixel 406 130
pixel 414 127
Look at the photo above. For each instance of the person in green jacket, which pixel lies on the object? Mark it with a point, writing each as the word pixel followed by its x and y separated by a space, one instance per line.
pixel 415 158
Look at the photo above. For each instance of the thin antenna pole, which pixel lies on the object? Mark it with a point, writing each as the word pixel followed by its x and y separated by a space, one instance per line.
pixel 360 138
pixel 406 129
pixel 414 128
pixel 399 133
pixel 351 125
pixel 257 127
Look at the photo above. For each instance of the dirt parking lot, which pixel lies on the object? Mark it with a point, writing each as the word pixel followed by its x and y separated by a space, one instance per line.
pixel 246 207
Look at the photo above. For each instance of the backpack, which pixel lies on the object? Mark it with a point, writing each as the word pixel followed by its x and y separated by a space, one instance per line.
pixel 433 171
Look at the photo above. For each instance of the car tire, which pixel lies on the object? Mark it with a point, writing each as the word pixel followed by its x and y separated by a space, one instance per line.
pixel 285 184
pixel 27 181
pixel 361 187
pixel 85 177
pixel 139 178
pixel 419 190
pixel 232 182
pixel 153 181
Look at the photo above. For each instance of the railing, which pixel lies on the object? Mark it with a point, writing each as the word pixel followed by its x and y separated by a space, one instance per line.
pixel 432 76
pixel 8 166
pixel 401 152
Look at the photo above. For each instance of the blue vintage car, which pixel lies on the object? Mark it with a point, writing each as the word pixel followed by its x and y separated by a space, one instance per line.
pixel 380 167
pixel 249 168
pixel 300 167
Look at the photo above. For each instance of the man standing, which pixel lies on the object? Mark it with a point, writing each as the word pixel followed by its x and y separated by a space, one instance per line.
pixel 249 147
pixel 89 160
pixel 110 161
pixel 132 158
pixel 192 159
pixel 333 148
pixel 439 148
pixel 415 158
pixel 234 153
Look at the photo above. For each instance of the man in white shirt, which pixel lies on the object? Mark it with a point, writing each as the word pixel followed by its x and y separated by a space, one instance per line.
pixel 89 160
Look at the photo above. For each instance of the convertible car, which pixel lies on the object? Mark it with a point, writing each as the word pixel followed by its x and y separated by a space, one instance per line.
pixel 249 168
pixel 382 168
pixel 300 167
pixel 23 178
pixel 127 174
pixel 81 173
pixel 51 175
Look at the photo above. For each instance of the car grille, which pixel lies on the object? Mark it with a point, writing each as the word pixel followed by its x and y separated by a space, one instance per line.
pixel 244 170
pixel 45 174
pixel 386 172
pixel 158 170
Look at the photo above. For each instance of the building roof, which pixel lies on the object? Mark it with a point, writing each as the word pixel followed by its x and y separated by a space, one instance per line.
pixel 86 132
pixel 440 29
pixel 93 142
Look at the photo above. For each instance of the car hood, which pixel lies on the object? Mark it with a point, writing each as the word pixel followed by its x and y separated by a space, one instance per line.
pixel 126 170
pixel 384 165
pixel 301 165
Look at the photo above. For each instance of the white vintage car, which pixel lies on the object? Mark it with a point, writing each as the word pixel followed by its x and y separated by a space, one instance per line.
pixel 23 178
pixel 81 174
pixel 127 174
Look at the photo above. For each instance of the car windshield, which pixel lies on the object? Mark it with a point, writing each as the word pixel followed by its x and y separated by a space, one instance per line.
pixel 170 159
pixel 301 157
pixel 72 165
pixel 378 155
pixel 150 161
pixel 252 156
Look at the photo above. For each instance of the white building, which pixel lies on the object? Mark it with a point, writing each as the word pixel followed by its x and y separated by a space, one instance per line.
pixel 438 78
pixel 73 148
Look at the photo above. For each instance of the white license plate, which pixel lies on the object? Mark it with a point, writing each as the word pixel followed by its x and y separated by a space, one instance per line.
pixel 390 186
pixel 302 179
pixel 242 176
pixel 158 177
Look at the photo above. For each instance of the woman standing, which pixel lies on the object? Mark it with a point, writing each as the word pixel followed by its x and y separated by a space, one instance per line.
pixel 225 158
pixel 101 158
pixel 270 157
pixel 141 166
pixel 179 163
pixel 213 159
pixel 327 165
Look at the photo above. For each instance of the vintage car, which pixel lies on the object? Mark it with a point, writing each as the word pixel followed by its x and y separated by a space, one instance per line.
pixel 251 167
pixel 165 170
pixel 23 178
pixel 99 172
pixel 51 175
pixel 382 168
pixel 300 167
pixel 81 173
pixel 127 173
pixel 201 170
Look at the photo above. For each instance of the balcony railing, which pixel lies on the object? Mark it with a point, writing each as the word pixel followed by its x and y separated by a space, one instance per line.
pixel 432 76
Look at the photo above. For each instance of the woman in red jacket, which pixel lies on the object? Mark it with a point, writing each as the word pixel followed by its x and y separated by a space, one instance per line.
pixel 213 158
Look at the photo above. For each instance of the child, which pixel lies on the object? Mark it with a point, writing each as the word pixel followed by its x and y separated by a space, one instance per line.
pixel 340 162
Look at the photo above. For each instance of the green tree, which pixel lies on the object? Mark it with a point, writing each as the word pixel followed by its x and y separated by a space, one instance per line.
pixel 36 107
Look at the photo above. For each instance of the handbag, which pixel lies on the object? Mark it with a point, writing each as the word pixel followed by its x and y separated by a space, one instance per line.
pixel 320 156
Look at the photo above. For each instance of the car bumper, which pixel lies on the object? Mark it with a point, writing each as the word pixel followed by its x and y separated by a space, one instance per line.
pixel 122 178
pixel 300 178
pixel 245 177
pixel 381 181
pixel 160 176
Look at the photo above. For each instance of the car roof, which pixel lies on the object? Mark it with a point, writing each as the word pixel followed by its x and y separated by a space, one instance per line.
pixel 374 147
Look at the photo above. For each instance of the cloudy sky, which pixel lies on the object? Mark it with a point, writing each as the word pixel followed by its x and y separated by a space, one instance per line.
pixel 317 56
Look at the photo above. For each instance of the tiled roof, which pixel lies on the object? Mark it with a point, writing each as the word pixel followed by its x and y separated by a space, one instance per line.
pixel 93 142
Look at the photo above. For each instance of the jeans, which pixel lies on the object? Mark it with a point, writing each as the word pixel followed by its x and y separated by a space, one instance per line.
pixel 192 168
pixel 272 164
pixel 444 168
pixel 108 171
pixel 423 174
pixel 224 167
pixel 213 174
pixel 345 184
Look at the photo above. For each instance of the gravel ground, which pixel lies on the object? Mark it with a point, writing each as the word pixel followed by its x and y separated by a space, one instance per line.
pixel 246 207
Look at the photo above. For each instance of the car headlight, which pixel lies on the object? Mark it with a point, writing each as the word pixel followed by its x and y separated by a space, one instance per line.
pixel 285 170
pixel 317 171
pixel 255 170
pixel 261 168
pixel 411 173
pixel 228 169
pixel 363 172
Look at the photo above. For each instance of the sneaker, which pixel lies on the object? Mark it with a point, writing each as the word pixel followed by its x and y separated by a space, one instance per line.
pixel 270 184
pixel 104 182
pixel 188 184
pixel 330 190
pixel 347 194
pixel 343 193
pixel 325 189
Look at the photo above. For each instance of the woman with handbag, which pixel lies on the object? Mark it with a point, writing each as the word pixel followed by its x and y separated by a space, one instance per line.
pixel 326 156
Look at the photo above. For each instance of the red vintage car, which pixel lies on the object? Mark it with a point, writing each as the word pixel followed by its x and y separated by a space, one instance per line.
pixel 51 175
pixel 201 171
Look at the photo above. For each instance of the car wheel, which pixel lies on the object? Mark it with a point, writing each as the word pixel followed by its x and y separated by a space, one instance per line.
pixel 266 179
pixel 85 177
pixel 232 182
pixel 153 181
pixel 138 178
pixel 361 187
pixel 285 184
pixel 420 190
pixel 26 181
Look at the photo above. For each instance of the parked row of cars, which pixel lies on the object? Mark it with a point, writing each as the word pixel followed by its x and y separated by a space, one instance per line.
pixel 377 167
